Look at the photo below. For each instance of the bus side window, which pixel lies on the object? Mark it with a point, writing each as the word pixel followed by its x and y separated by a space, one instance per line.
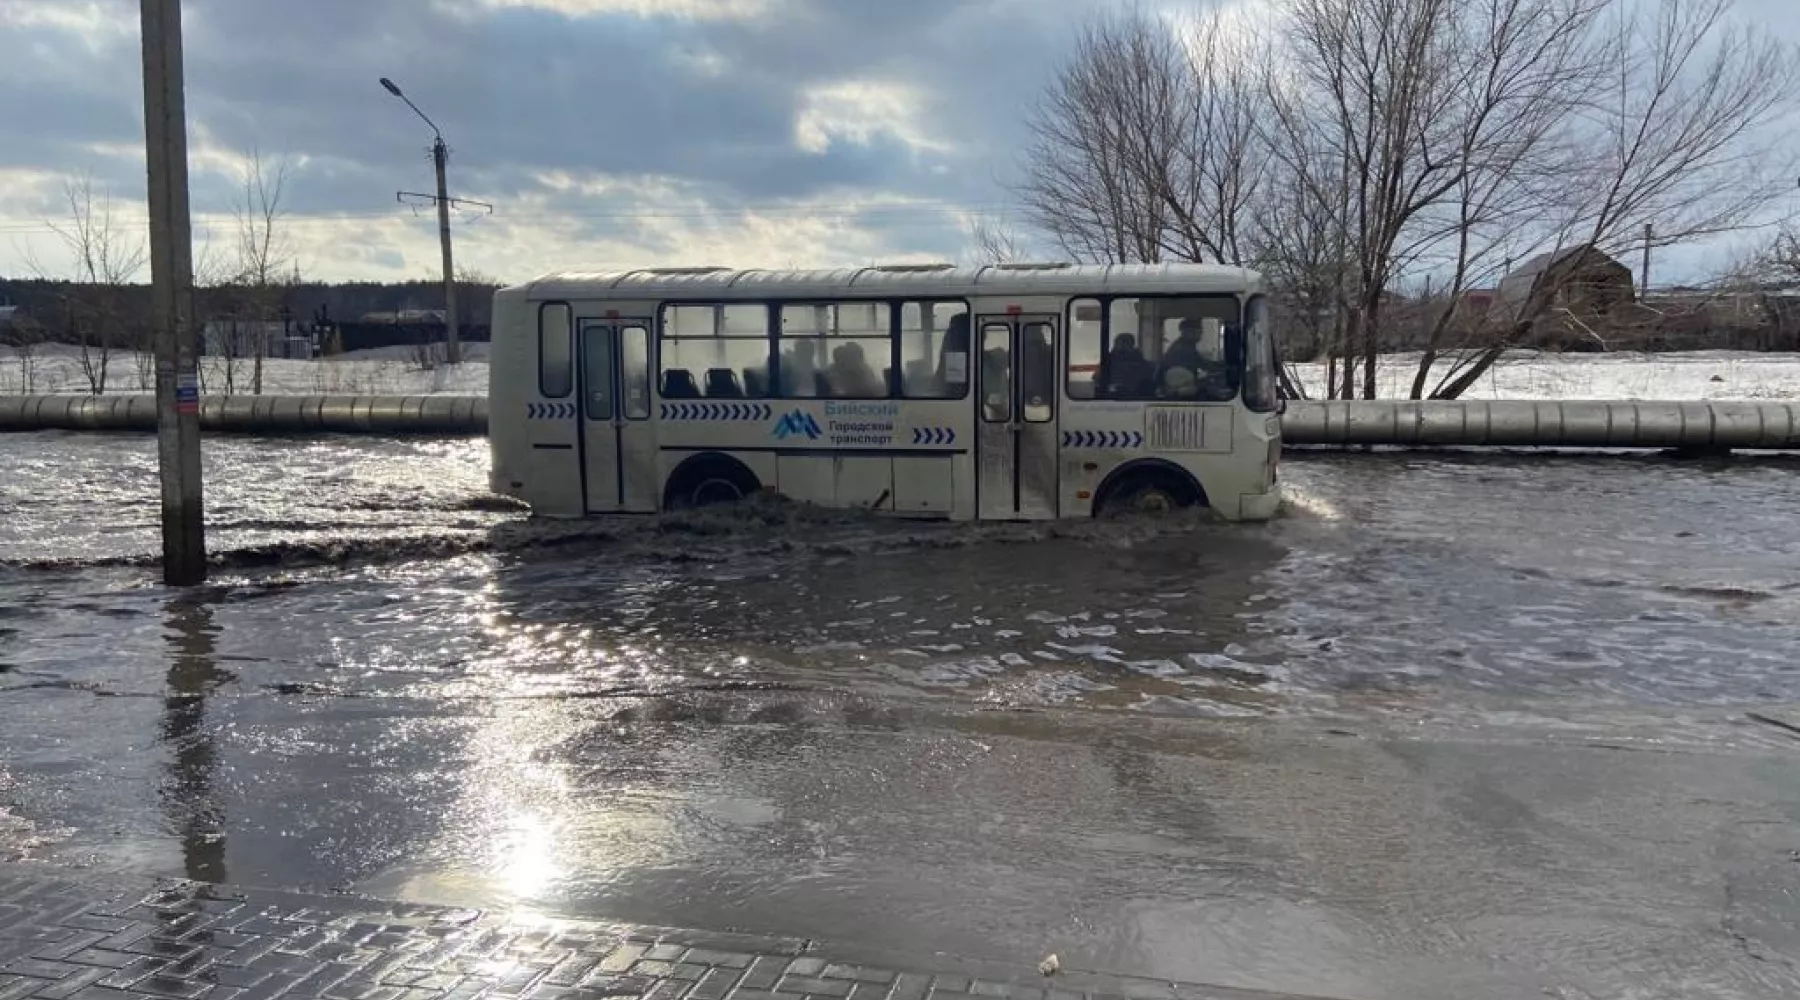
pixel 1133 352
pixel 704 347
pixel 556 350
pixel 1088 371
pixel 934 350
pixel 636 376
pixel 996 373
pixel 1037 368
pixel 840 348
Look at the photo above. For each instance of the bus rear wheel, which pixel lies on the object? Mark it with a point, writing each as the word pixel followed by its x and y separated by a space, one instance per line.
pixel 1148 492
pixel 710 482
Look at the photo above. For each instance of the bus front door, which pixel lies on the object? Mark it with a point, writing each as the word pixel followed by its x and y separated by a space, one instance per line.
pixel 618 443
pixel 1016 437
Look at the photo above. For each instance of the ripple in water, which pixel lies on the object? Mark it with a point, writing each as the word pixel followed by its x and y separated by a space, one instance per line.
pixel 1426 579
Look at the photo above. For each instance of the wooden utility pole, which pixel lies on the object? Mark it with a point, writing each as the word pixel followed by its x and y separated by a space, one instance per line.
pixel 1649 235
pixel 172 295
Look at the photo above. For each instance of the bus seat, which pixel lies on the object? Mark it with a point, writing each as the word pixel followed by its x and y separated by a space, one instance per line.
pixel 678 383
pixel 756 383
pixel 821 385
pixel 722 383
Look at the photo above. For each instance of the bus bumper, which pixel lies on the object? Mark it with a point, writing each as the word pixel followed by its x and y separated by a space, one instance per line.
pixel 1258 506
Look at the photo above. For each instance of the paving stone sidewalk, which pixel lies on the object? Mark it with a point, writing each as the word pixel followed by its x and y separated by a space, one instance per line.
pixel 121 939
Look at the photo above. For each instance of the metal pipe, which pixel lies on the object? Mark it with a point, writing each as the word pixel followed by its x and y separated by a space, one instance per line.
pixel 1547 424
pixel 1471 423
pixel 271 415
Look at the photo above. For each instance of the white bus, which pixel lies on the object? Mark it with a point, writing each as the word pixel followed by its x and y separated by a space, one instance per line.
pixel 1014 392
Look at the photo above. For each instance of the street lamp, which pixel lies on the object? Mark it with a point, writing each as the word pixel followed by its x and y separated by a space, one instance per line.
pixel 440 158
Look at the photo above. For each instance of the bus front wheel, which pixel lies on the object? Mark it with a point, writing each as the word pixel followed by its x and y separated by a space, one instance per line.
pixel 1148 491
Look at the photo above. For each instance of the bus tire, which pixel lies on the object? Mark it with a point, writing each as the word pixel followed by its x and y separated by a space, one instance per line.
pixel 707 481
pixel 1148 488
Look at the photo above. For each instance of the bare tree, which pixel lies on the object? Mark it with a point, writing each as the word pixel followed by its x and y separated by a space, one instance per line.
pixel 103 259
pixel 265 255
pixel 1143 148
pixel 1777 262
pixel 1393 144
pixel 994 241
pixel 23 334
pixel 469 275
pixel 1420 120
pixel 1679 137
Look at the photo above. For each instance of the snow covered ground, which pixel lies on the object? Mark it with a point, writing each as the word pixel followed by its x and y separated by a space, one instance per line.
pixel 1525 375
pixel 387 371
pixel 1533 375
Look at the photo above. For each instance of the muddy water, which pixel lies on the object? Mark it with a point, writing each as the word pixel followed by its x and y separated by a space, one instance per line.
pixel 1390 580
pixel 1377 747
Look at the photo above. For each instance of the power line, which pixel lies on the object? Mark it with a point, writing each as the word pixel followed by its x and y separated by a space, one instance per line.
pixel 732 215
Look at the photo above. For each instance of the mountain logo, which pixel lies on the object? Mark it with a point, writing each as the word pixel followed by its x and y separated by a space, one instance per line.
pixel 796 423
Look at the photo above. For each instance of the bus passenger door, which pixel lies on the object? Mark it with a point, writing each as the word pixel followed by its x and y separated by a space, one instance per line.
pixel 1016 439
pixel 618 441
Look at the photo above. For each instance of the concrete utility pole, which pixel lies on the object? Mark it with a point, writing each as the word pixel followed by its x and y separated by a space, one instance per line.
pixel 1649 234
pixel 440 158
pixel 172 293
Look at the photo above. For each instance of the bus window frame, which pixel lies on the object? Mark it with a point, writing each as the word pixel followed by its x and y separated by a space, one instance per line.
pixel 968 362
pixel 1106 301
pixel 569 307
pixel 651 372
pixel 772 308
pixel 659 336
pixel 893 339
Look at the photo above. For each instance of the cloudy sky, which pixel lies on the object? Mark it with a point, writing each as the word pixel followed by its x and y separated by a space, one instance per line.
pixel 605 132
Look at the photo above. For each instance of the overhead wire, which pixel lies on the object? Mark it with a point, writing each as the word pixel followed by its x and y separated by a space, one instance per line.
pixel 888 211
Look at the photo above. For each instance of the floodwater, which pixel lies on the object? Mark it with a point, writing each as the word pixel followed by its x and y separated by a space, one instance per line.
pixel 1453 725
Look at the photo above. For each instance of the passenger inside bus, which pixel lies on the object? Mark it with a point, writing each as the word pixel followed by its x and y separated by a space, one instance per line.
pixel 800 369
pixel 1129 375
pixel 850 374
pixel 1190 370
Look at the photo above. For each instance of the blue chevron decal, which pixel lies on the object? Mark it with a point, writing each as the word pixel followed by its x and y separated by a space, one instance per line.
pixel 549 411
pixel 934 435
pixel 1103 439
pixel 714 410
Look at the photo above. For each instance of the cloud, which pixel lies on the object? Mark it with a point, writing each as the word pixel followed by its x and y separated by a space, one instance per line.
pixel 640 131
pixel 698 10
pixel 615 131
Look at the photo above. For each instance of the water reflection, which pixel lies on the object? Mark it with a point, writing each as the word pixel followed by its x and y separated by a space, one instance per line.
pixel 1124 615
pixel 190 795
